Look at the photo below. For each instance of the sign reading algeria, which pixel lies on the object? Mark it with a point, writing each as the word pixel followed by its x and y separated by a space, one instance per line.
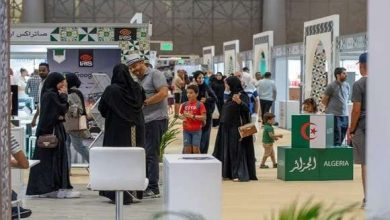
pixel 312 131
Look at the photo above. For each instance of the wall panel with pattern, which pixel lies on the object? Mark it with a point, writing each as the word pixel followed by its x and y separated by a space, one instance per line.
pixel 5 191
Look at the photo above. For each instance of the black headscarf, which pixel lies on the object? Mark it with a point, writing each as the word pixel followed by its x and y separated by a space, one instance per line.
pixel 73 84
pixel 234 84
pixel 124 96
pixel 73 80
pixel 51 82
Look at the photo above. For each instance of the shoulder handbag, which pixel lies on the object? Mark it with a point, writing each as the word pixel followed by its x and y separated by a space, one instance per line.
pixel 246 129
pixel 76 123
pixel 47 141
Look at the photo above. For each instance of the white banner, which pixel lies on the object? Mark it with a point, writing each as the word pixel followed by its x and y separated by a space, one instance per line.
pixel 31 34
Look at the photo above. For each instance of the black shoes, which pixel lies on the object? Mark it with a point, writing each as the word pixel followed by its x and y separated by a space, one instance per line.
pixel 24 213
pixel 148 193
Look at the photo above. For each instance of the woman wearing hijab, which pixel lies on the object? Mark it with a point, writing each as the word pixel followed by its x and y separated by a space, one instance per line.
pixel 236 154
pixel 218 86
pixel 208 97
pixel 121 105
pixel 50 178
pixel 76 109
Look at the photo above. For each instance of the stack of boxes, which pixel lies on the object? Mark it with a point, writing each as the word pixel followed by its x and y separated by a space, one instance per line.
pixel 312 155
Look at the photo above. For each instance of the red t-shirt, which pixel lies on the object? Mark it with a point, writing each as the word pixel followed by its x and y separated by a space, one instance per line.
pixel 190 124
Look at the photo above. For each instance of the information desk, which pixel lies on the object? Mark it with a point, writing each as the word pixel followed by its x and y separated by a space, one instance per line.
pixel 192 183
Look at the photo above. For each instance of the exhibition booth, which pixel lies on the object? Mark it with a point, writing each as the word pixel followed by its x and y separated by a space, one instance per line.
pixel 89 50
pixel 320 52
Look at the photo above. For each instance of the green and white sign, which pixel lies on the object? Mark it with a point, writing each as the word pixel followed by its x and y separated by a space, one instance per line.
pixel 312 131
pixel 299 164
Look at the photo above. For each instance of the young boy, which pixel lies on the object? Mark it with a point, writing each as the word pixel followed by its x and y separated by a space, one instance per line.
pixel 193 114
pixel 269 138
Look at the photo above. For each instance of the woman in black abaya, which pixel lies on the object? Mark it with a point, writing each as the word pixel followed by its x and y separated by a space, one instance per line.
pixel 237 155
pixel 208 97
pixel 121 105
pixel 50 178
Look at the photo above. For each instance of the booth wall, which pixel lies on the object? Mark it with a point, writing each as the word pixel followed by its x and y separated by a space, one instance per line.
pixel 353 15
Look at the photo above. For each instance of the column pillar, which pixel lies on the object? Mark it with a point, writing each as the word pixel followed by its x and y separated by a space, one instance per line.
pixel 378 123
pixel 5 183
pixel 274 19
pixel 33 11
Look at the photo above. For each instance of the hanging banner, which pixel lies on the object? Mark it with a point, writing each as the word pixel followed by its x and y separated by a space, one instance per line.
pixel 208 54
pixel 320 37
pixel 230 53
pixel 262 44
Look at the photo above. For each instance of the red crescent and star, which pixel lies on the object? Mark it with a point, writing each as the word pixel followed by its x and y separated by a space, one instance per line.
pixel 313 131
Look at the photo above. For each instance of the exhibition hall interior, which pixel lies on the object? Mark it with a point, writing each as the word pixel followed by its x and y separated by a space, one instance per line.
pixel 195 109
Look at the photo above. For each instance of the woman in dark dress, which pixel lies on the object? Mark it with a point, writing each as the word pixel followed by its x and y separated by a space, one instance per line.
pixel 50 178
pixel 208 97
pixel 218 86
pixel 121 105
pixel 236 154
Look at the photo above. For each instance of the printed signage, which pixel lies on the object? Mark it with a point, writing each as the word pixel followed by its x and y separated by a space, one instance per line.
pixel 30 34
pixel 125 34
pixel 85 58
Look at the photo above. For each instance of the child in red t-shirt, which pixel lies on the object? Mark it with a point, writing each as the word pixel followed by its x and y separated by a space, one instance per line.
pixel 193 114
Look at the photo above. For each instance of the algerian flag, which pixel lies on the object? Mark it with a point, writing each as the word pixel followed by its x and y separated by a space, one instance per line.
pixel 312 131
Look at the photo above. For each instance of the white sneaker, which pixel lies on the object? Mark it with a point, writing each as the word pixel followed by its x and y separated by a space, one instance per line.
pixel 53 194
pixel 68 194
pixel 72 194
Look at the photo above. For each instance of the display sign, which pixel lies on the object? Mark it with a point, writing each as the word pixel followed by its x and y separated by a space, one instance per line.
pixel 312 131
pixel 166 46
pixel 125 34
pixel 30 34
pixel 85 58
pixel 315 164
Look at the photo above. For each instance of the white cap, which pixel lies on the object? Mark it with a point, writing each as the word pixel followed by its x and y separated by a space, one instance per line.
pixel 133 58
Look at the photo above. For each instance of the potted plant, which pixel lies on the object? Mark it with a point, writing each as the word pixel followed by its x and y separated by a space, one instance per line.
pixel 169 136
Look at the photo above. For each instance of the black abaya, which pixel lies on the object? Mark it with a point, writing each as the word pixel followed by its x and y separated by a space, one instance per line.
pixel 52 173
pixel 237 155
pixel 121 106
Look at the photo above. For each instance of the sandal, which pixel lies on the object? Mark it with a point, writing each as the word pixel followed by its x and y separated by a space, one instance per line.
pixel 264 166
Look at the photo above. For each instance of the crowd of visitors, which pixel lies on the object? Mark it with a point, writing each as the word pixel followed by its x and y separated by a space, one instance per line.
pixel 135 107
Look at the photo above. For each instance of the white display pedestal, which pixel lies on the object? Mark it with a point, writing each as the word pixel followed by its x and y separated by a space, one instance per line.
pixel 286 110
pixel 193 185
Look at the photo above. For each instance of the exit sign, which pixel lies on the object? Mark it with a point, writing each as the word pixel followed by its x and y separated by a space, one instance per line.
pixel 166 46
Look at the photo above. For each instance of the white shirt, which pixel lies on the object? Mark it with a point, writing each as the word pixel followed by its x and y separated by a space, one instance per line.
pixel 267 90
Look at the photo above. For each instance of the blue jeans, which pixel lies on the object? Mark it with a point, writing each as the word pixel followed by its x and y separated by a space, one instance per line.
pixel 340 129
pixel 153 133
pixel 78 145
pixel 192 138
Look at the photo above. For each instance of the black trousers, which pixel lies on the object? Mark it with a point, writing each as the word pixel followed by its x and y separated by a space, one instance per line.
pixel 153 133
pixel 265 107
pixel 205 139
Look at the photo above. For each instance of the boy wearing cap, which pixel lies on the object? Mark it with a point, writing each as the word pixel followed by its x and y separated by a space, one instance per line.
pixel 156 116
